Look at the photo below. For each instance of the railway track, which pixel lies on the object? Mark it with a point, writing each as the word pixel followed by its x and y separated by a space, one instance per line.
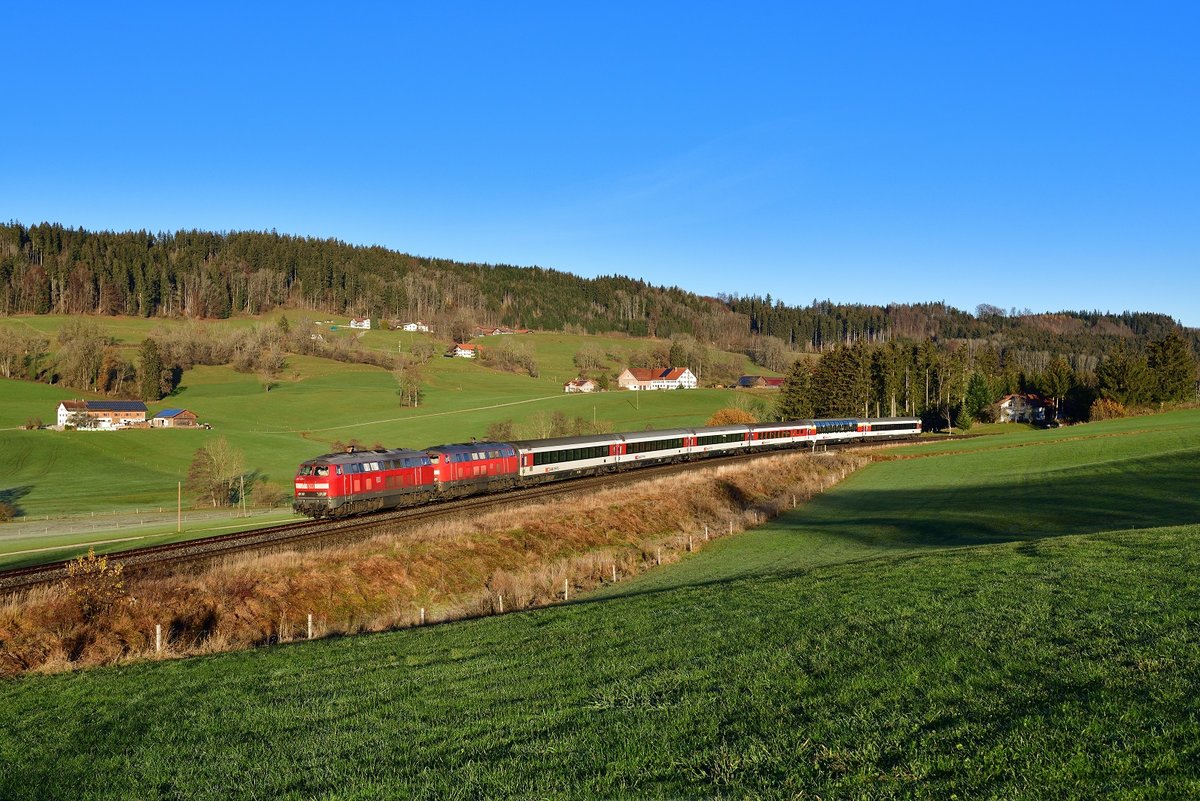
pixel 312 532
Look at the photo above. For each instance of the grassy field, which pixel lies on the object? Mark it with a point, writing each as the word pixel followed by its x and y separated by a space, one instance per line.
pixel 316 403
pixel 1013 617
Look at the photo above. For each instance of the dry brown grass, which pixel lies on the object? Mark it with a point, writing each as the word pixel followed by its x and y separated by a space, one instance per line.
pixel 453 569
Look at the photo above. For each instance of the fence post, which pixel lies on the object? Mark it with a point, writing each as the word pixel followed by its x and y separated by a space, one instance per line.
pixel 157 637
pixel 658 556
pixel 614 573
pixel 706 532
pixel 422 616
pixel 501 597
pixel 689 543
pixel 310 625
pixel 566 590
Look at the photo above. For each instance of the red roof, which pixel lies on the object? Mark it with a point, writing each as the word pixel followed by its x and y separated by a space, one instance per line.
pixel 644 374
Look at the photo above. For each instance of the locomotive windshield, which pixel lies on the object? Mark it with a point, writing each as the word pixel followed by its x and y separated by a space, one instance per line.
pixel 314 470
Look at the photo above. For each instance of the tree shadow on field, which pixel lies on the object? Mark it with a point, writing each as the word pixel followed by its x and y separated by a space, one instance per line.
pixel 10 496
pixel 1151 492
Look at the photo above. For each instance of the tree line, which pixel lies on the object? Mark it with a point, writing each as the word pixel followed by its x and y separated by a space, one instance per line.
pixel 49 268
pixel 957 383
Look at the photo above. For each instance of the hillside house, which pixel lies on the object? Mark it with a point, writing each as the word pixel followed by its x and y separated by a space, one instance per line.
pixel 417 326
pixel 648 378
pixel 1021 408
pixel 759 382
pixel 101 415
pixel 580 385
pixel 174 418
pixel 463 350
pixel 361 322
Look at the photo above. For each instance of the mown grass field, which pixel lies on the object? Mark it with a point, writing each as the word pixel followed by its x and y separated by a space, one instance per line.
pixel 1013 617
pixel 315 403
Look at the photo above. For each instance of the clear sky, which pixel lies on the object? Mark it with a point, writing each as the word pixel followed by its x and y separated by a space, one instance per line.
pixel 1028 154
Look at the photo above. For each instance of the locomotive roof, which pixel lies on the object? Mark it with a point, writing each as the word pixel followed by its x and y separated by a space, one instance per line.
pixel 353 457
pixel 468 447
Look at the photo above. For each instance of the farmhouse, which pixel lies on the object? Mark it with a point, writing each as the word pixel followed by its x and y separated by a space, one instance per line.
pixel 101 415
pixel 360 322
pixel 759 382
pixel 645 378
pixel 417 326
pixel 580 385
pixel 463 350
pixel 1021 408
pixel 174 418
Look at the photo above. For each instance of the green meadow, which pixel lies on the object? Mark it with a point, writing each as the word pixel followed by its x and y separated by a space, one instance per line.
pixel 1015 616
pixel 315 403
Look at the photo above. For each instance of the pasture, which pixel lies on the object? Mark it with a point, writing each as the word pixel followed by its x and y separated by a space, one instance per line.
pixel 315 403
pixel 1011 617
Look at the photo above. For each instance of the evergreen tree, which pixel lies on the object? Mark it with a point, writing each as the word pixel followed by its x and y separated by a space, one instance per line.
pixel 1057 382
pixel 795 399
pixel 1124 377
pixel 978 398
pixel 1173 367
pixel 150 371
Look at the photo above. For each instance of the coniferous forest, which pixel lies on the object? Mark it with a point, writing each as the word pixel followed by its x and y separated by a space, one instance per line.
pixel 924 358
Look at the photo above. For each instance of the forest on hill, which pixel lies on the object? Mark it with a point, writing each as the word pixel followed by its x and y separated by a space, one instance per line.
pixel 50 268
pixel 911 358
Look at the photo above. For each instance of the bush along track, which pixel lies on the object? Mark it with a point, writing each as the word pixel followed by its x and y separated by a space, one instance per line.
pixel 516 558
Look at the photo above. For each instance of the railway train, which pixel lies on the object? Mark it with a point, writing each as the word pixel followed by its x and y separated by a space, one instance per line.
pixel 358 482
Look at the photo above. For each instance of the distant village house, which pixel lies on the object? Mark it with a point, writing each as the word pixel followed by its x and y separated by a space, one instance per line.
pixel 1021 408
pixel 759 382
pixel 360 322
pixel 648 378
pixel 580 385
pixel 463 350
pixel 174 418
pixel 417 326
pixel 101 415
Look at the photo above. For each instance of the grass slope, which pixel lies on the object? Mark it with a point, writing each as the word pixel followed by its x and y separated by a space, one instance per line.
pixel 315 403
pixel 997 640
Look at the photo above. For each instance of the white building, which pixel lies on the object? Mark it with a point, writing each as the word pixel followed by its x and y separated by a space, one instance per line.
pixel 360 322
pixel 417 326
pixel 645 378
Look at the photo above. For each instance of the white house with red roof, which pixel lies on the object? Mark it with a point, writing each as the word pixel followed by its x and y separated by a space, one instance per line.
pixel 464 350
pixel 646 378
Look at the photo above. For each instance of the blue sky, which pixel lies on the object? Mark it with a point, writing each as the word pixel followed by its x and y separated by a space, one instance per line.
pixel 1028 155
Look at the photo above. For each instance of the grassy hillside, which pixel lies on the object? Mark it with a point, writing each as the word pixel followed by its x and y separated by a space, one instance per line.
pixel 973 623
pixel 315 403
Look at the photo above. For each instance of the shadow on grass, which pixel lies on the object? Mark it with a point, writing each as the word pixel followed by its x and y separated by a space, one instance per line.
pixel 11 495
pixel 876 524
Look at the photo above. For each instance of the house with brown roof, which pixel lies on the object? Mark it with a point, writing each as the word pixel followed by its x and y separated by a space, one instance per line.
pixel 759 382
pixel 101 415
pixel 463 350
pixel 647 378
pixel 1021 408
pixel 174 418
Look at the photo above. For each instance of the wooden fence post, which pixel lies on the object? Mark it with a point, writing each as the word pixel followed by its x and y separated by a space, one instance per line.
pixel 157 637
pixel 310 625
pixel 501 599
pixel 706 532
pixel 566 590
pixel 614 573
pixel 422 616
